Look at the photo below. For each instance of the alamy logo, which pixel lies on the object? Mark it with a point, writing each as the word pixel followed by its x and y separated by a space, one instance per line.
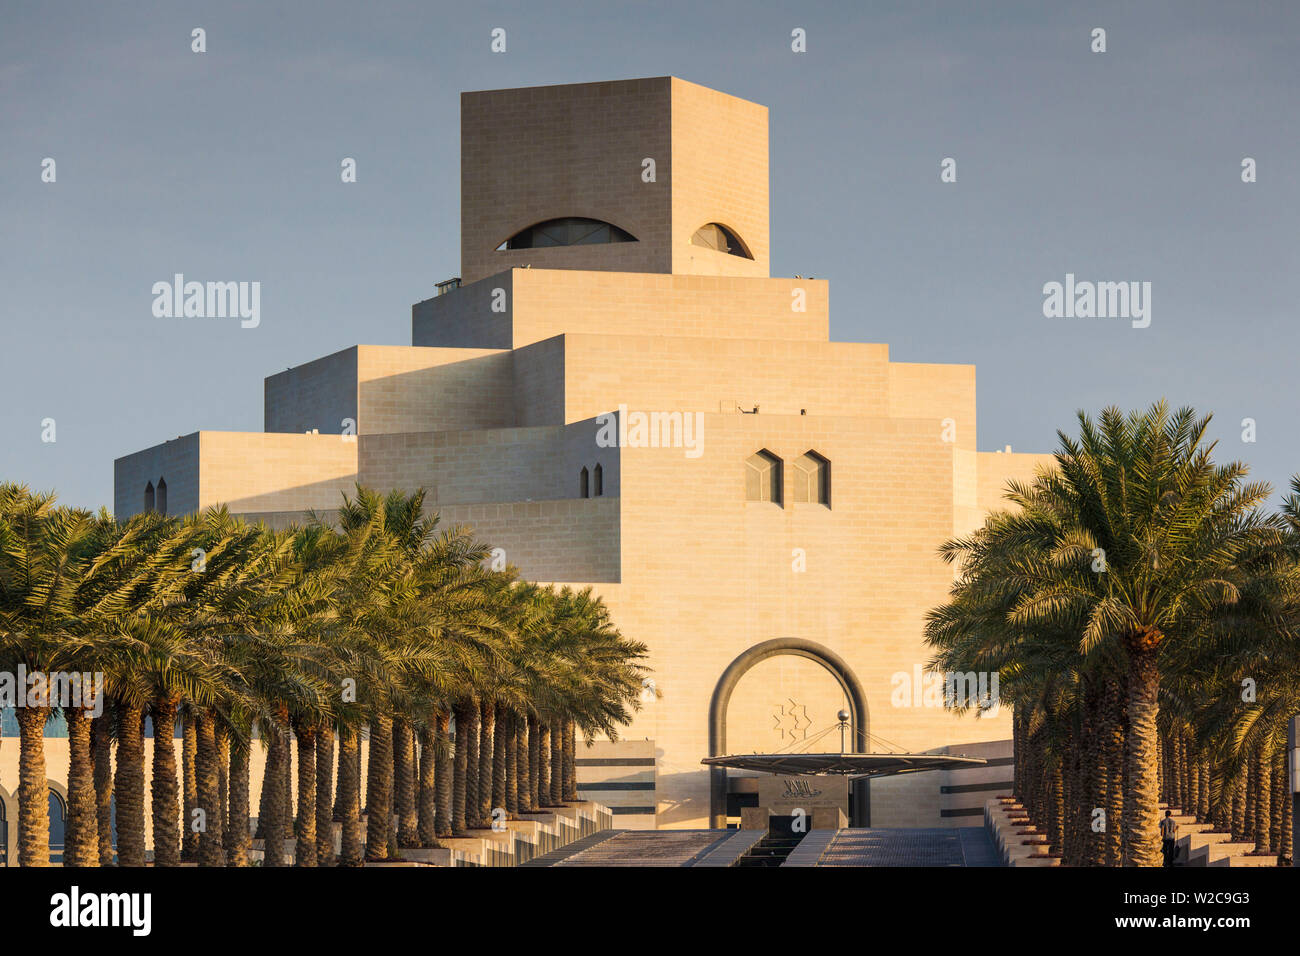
pixel 208 300
pixel 74 908
pixel 34 689
pixel 624 429
pixel 947 689
pixel 1098 300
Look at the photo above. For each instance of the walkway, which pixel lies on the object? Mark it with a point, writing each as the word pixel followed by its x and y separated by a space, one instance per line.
pixel 960 846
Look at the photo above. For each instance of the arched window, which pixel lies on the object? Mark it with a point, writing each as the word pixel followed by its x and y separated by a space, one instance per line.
pixel 715 235
pixel 584 489
pixel 598 481
pixel 812 479
pixel 58 826
pixel 148 497
pixel 763 477
pixel 161 496
pixel 570 231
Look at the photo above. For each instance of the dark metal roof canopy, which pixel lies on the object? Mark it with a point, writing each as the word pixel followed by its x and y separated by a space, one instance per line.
pixel 849 765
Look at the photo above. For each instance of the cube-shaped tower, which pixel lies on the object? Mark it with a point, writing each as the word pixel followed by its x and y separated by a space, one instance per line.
pixel 655 175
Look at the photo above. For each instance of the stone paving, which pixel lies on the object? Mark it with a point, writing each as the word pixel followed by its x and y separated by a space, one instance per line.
pixel 649 848
pixel 956 846
pixel 962 846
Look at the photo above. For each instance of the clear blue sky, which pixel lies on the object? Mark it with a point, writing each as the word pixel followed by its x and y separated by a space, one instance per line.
pixel 1116 166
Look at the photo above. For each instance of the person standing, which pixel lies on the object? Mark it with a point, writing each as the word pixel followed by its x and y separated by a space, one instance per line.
pixel 1169 836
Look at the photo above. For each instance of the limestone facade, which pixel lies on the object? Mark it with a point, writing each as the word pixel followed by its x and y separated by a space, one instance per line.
pixel 503 400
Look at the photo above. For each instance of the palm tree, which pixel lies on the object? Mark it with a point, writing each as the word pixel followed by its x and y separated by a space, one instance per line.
pixel 43 552
pixel 1133 545
pixel 388 621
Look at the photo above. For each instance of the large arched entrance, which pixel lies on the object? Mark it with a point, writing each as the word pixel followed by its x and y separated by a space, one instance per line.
pixel 853 694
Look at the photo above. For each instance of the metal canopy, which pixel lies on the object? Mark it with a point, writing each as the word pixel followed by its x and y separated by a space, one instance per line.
pixel 848 765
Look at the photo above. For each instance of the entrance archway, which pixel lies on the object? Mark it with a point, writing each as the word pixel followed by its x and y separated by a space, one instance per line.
pixel 859 719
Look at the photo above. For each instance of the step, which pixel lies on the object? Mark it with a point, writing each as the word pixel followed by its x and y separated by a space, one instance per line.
pixel 1270 860
pixel 1210 853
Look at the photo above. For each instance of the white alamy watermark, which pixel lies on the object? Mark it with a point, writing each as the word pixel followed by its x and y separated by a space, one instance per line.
pixel 977 689
pixel 1098 300
pixel 73 909
pixel 179 299
pixel 625 429
pixel 68 689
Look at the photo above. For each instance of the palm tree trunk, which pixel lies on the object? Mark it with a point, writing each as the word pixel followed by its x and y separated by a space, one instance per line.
pixel 1112 773
pixel 1078 795
pixel 1016 755
pixel 521 764
pixel 571 763
pixel 211 852
pixel 190 785
pixel 1282 801
pixel 1140 801
pixel 1250 796
pixel 543 765
pixel 487 762
pixel 1056 805
pixel 1220 805
pixel 239 838
pixel 557 764
pixel 1263 808
pixel 499 740
pixel 223 782
pixel 324 796
pixel 275 825
pixel 534 765
pixel 349 797
pixel 458 819
pixel 1161 766
pixel 128 787
pixel 427 824
pixel 1203 774
pixel 442 772
pixel 264 795
pixel 304 851
pixel 379 786
pixel 166 804
pixel 1238 785
pixel 289 813
pixel 512 763
pixel 33 790
pixel 81 839
pixel 475 767
pixel 1276 774
pixel 101 731
pixel 404 784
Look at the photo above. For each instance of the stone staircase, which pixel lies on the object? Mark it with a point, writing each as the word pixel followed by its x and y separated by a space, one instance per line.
pixel 1199 845
pixel 519 840
pixel 529 836
pixel 1017 841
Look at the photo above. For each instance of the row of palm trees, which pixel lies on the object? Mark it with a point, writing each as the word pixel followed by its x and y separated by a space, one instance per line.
pixel 374 630
pixel 1141 606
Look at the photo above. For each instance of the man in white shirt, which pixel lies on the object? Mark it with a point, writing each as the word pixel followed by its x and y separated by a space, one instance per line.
pixel 1169 834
